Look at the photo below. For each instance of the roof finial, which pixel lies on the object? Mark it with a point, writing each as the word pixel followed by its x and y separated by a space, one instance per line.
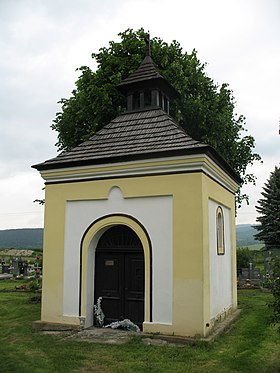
pixel 148 44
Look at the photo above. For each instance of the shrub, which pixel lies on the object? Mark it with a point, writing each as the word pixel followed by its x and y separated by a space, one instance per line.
pixel 34 284
pixel 275 290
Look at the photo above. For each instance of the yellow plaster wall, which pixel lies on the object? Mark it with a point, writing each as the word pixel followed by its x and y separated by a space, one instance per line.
pixel 187 255
pixel 52 306
pixel 190 242
pixel 216 192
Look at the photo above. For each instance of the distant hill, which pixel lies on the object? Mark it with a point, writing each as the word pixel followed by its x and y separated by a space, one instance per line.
pixel 27 238
pixel 32 238
pixel 245 235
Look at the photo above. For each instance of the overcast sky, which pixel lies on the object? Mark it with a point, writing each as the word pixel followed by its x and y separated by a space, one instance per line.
pixel 42 42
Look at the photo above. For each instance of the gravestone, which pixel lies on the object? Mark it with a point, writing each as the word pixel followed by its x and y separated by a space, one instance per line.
pixel 249 277
pixel 5 268
pixel 19 267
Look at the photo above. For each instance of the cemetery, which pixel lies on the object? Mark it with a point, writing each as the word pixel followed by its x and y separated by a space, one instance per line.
pixel 249 277
pixel 23 271
pixel 21 265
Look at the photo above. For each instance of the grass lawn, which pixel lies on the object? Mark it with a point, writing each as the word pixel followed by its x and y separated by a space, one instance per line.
pixel 251 345
pixel 256 246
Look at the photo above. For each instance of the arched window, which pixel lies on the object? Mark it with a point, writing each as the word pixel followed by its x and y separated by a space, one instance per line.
pixel 220 231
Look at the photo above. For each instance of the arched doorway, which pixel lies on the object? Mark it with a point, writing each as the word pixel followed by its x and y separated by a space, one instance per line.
pixel 119 275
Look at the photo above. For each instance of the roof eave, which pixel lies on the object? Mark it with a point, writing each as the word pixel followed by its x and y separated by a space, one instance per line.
pixel 158 82
pixel 207 150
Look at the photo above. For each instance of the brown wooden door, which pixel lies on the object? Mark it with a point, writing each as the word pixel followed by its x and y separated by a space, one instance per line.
pixel 134 287
pixel 119 280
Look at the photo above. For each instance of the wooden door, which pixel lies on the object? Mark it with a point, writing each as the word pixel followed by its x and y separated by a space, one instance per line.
pixel 119 277
pixel 134 288
pixel 109 285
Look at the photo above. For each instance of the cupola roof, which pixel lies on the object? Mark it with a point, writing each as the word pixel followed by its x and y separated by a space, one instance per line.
pixel 147 76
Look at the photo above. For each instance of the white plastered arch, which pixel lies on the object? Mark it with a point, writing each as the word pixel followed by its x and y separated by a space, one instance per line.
pixel 87 260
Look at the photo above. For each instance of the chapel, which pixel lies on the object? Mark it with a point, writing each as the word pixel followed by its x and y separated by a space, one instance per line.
pixel 143 216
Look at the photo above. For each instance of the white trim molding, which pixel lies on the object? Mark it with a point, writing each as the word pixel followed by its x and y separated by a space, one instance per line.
pixel 184 164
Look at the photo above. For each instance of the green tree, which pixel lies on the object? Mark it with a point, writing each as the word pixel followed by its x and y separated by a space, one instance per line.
pixel 243 257
pixel 269 209
pixel 275 289
pixel 204 110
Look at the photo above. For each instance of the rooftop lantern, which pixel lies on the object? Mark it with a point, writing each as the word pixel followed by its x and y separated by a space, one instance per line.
pixel 146 88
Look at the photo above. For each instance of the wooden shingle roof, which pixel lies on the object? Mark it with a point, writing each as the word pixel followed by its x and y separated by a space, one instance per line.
pixel 132 136
pixel 143 134
pixel 147 73
pixel 147 70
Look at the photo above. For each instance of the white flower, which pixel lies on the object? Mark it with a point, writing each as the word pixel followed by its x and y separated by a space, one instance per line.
pixel 98 314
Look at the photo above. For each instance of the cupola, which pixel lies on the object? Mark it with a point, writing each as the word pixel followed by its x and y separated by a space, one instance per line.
pixel 146 88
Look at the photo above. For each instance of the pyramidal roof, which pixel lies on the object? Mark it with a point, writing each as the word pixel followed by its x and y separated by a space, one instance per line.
pixel 138 135
pixel 147 70
pixel 135 136
pixel 147 73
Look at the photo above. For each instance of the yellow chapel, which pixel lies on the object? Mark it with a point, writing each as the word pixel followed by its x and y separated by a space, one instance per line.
pixel 143 216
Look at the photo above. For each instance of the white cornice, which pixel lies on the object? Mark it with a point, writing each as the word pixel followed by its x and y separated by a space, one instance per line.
pixel 201 163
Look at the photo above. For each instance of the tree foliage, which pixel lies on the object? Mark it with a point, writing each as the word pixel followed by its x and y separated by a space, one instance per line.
pixel 243 257
pixel 269 209
pixel 275 289
pixel 204 109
